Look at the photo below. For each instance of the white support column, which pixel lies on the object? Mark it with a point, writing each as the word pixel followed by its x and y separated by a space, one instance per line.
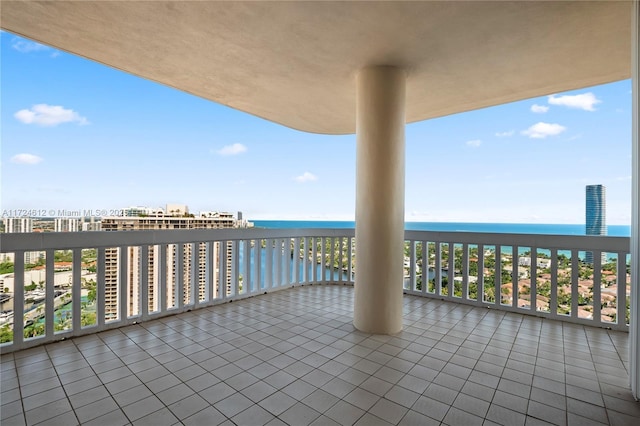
pixel 634 326
pixel 380 170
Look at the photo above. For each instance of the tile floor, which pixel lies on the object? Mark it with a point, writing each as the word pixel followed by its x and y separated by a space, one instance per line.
pixel 293 357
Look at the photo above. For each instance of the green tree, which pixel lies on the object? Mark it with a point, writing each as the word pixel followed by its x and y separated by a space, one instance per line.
pixel 87 318
pixel 489 293
pixel 563 261
pixel 63 256
pixel 89 255
pixel 34 330
pixel 6 334
pixel 473 291
pixel 544 289
pixel 6 267
pixel 586 272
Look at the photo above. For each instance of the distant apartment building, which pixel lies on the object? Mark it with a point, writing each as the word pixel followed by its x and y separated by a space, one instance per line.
pixel 175 218
pixel 92 224
pixel 20 225
pixel 595 208
pixel 541 262
pixel 67 224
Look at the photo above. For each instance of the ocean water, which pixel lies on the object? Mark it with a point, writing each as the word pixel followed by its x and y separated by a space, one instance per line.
pixel 512 228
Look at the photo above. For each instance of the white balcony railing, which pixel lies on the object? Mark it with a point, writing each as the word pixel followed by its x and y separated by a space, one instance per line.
pixel 71 284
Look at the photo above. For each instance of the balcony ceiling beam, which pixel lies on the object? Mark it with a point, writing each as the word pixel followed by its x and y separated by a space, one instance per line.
pixel 295 63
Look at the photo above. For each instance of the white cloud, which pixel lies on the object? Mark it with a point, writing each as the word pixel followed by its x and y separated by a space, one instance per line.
pixel 27 46
pixel 49 115
pixel 235 149
pixel 539 109
pixel 29 159
pixel 306 177
pixel 505 134
pixel 542 130
pixel 474 143
pixel 585 101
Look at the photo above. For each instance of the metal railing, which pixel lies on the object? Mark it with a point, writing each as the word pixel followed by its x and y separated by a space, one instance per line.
pixel 87 282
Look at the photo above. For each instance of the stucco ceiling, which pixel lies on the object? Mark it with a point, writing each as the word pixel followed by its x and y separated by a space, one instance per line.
pixel 295 63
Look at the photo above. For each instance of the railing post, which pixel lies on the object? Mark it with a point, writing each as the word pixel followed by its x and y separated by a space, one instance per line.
pixel 257 265
pixel 438 265
pixel 597 293
pixel 332 259
pixel 123 284
pixel 207 273
pixel 575 276
pixel 194 287
pixel 18 300
pixel 314 259
pixel 465 271
pixel 553 302
pixel 480 281
pixel 101 288
pixel 235 268
pixel 451 261
pixel 533 280
pixel 278 263
pixel 515 277
pixel 49 316
pixel 162 278
pixel 268 279
pixel 222 270
pixel 621 279
pixel 340 245
pixel 76 290
pixel 143 304
pixel 246 258
pixel 350 259
pixel 498 276
pixel 425 266
pixel 179 278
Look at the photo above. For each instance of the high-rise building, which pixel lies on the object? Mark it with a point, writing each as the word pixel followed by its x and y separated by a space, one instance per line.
pixel 18 224
pixel 21 225
pixel 208 220
pixel 92 224
pixel 595 208
pixel 67 224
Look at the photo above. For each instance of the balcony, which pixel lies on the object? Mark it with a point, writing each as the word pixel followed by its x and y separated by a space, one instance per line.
pixel 285 351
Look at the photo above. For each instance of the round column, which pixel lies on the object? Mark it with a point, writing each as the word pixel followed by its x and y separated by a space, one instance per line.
pixel 380 159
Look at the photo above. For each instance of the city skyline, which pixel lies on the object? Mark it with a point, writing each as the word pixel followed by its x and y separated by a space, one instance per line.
pixel 81 136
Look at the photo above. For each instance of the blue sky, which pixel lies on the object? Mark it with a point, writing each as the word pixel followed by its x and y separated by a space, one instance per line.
pixel 77 135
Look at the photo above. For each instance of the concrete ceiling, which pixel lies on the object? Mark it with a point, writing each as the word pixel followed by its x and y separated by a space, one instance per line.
pixel 295 63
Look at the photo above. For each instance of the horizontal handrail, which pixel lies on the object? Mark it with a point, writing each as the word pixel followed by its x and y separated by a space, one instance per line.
pixel 35 241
